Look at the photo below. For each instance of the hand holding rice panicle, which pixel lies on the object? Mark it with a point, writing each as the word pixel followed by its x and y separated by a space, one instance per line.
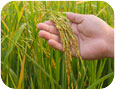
pixel 68 39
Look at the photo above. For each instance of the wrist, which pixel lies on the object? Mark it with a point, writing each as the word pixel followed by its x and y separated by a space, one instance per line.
pixel 110 43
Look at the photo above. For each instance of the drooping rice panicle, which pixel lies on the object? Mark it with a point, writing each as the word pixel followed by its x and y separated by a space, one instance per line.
pixel 45 67
pixel 67 36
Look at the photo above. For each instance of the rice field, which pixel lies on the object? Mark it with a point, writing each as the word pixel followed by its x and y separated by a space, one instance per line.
pixel 28 61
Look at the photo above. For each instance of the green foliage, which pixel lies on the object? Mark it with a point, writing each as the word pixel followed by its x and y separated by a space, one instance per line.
pixel 28 59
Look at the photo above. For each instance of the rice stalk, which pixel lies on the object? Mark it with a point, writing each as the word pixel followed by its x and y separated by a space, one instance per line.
pixel 21 73
pixel 5 25
pixel 68 39
pixel 40 59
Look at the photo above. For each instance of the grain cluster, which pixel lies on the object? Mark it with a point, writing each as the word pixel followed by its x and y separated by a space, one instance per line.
pixel 67 37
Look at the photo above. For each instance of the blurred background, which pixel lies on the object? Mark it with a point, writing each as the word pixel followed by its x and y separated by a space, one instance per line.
pixel 27 61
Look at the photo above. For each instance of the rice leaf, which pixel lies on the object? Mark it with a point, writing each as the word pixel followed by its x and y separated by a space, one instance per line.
pixel 100 80
pixel 15 39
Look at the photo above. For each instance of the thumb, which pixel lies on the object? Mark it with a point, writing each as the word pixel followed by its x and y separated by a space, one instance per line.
pixel 75 18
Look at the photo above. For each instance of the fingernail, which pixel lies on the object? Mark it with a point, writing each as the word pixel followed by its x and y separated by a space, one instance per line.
pixel 69 14
pixel 50 41
pixel 40 33
pixel 38 25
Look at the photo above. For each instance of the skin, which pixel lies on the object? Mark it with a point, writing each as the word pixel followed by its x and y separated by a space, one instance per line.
pixel 95 37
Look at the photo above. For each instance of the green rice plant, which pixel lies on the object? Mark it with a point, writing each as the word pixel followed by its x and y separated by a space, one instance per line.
pixel 27 61
pixel 67 37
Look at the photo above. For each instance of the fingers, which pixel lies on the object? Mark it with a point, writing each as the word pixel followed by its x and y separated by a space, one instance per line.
pixel 55 44
pixel 75 18
pixel 47 35
pixel 48 28
pixel 59 46
pixel 76 32
pixel 75 29
pixel 49 23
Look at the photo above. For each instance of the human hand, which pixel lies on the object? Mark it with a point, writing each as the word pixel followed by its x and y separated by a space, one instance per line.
pixel 95 37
